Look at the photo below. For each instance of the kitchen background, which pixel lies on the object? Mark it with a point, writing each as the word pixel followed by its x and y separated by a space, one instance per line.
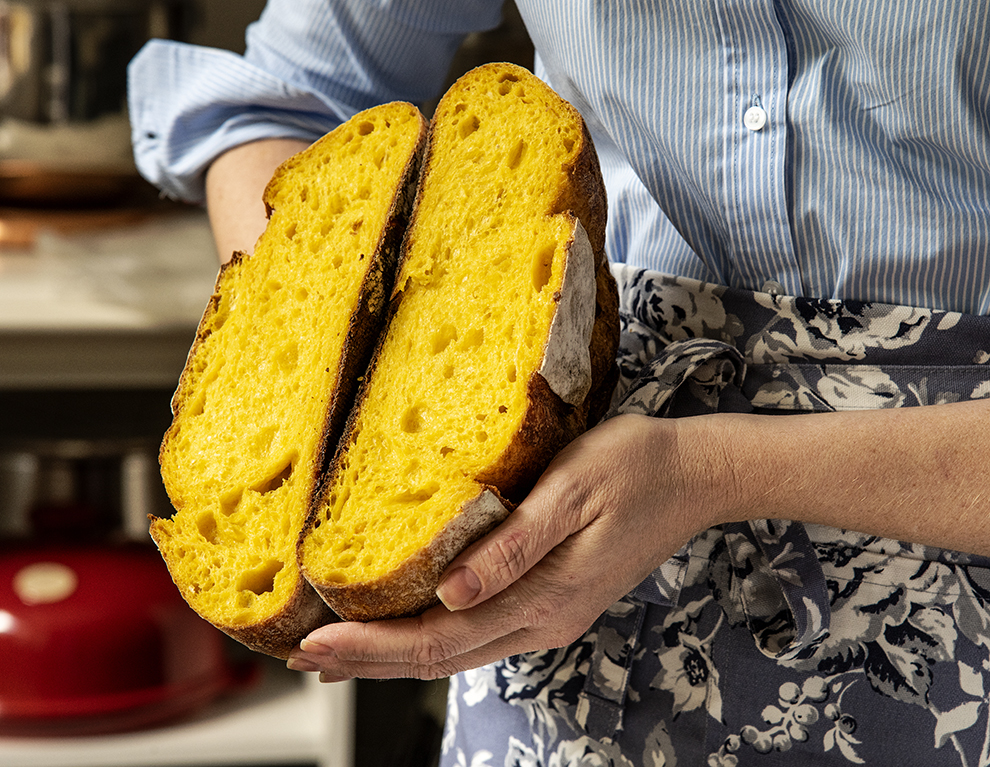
pixel 101 286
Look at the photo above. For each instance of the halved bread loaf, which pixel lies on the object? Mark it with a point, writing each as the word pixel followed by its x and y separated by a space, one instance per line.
pixel 499 349
pixel 271 376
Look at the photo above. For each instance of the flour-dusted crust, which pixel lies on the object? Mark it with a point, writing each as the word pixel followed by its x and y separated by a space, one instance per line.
pixel 567 353
pixel 411 587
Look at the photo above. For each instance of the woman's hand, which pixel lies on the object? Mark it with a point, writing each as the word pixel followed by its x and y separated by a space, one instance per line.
pixel 612 507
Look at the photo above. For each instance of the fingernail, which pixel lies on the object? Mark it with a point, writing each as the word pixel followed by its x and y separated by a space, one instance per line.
pixel 298 664
pixel 308 645
pixel 331 678
pixel 459 589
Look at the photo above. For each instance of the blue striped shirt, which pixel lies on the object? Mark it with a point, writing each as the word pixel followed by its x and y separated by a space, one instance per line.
pixel 840 148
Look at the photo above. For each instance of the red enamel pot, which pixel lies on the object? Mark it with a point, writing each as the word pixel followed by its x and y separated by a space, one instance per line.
pixel 97 639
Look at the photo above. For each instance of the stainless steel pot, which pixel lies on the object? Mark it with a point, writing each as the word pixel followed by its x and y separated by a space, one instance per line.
pixel 63 68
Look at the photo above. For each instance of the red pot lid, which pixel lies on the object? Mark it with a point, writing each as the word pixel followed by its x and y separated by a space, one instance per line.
pixel 99 630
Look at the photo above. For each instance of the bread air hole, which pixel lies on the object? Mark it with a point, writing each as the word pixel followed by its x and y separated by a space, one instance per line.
pixel 260 579
pixel 196 405
pixel 516 154
pixel 336 204
pixel 220 314
pixel 412 420
pixel 275 480
pixel 542 267
pixel 468 125
pixel 230 501
pixel 442 338
pixel 206 523
pixel 365 128
pixel 474 338
pixel 417 495
pixel 288 357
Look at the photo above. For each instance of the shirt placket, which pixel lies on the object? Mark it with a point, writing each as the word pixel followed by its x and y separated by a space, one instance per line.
pixel 754 55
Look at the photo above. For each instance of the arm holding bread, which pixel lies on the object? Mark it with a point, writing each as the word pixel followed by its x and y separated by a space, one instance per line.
pixel 627 494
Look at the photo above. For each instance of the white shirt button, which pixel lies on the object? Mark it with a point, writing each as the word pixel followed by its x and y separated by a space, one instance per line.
pixel 772 287
pixel 755 118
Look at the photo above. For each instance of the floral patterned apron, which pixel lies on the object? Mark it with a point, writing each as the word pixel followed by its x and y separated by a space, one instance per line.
pixel 769 642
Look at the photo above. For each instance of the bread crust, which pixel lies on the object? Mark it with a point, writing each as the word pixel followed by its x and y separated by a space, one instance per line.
pixel 304 610
pixel 411 588
pixel 277 634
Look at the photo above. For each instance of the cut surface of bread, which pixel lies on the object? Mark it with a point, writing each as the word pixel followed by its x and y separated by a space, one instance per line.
pixel 271 376
pixel 499 347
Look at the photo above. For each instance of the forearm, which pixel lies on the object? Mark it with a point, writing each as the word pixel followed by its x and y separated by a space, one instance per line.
pixel 916 474
pixel 234 186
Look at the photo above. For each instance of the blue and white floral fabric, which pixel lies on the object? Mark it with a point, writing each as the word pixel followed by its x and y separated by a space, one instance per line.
pixel 768 643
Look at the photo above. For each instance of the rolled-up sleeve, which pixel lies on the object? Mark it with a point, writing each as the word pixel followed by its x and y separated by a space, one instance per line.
pixel 308 66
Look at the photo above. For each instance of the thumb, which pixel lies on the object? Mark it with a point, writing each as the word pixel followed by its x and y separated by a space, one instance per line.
pixel 495 561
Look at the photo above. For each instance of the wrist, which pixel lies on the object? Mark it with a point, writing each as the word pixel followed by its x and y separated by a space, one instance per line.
pixel 709 451
pixel 739 466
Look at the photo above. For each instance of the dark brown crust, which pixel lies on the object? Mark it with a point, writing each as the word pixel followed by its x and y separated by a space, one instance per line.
pixel 604 345
pixel 548 425
pixel 304 611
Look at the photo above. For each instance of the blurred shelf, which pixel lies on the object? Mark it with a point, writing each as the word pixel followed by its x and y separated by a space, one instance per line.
pixel 111 307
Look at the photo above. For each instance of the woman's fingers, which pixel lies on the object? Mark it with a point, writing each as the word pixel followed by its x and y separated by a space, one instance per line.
pixel 438 642
pixel 498 559
pixel 537 612
pixel 341 665
pixel 556 508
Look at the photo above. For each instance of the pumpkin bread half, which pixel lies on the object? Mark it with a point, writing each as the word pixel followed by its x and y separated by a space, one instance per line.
pixel 499 348
pixel 271 376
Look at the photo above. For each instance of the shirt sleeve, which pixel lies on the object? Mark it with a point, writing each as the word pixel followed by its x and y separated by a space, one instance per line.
pixel 308 66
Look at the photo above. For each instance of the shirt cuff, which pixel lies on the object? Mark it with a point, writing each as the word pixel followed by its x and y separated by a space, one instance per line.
pixel 189 104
